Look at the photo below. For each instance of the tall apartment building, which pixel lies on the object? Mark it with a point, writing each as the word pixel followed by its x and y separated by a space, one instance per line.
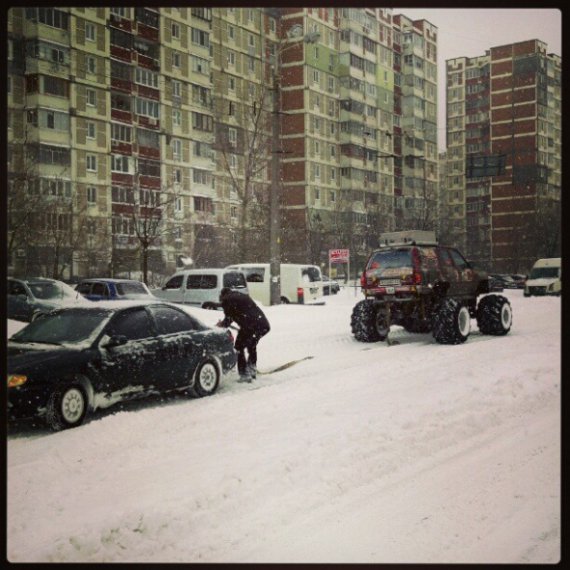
pixel 415 46
pixel 504 154
pixel 152 129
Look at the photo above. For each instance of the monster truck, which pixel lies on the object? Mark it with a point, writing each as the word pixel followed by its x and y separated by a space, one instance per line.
pixel 423 286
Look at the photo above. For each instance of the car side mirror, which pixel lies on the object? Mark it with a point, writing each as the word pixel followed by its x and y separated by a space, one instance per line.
pixel 115 340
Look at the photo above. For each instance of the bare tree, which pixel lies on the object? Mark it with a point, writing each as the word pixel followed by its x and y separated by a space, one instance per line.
pixel 151 220
pixel 244 160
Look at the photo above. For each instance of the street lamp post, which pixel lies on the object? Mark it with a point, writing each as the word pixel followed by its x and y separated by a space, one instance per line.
pixel 275 190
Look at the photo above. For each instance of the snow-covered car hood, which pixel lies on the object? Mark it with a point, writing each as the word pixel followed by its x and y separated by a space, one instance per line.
pixel 26 355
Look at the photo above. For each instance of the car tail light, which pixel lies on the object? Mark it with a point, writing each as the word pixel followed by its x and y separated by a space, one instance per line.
pixel 363 279
pixel 300 295
pixel 416 264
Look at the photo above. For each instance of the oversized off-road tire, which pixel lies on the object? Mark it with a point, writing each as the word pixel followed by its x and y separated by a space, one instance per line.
pixel 206 379
pixel 451 322
pixel 66 407
pixel 368 322
pixel 494 315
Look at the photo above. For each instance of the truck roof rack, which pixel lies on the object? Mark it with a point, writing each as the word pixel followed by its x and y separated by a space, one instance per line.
pixel 408 237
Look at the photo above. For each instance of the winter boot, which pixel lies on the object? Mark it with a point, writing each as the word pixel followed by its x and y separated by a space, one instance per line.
pixel 252 370
pixel 244 377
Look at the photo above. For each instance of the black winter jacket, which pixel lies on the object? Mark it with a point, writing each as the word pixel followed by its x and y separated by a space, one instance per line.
pixel 245 312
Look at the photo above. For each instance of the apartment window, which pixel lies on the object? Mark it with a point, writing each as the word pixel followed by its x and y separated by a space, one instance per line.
pixel 177 149
pixel 121 12
pixel 316 76
pixel 177 88
pixel 231 58
pixel 201 38
pixel 272 25
pixel 176 59
pixel 251 64
pixel 91 194
pixel 316 52
pixel 91 161
pixel 147 108
pixel 146 77
pixel 317 194
pixel 177 117
pixel 231 83
pixel 175 29
pixel 251 40
pixel 122 195
pixel 202 149
pixel 317 148
pixel 233 212
pixel 178 208
pixel 90 32
pixel 91 65
pixel 202 204
pixel 120 133
pixel 333 177
pixel 91 130
pixel 232 136
pixel 201 176
pixel 178 176
pixel 200 65
pixel 91 95
pixel 119 163
pixel 49 17
pixel 332 150
pixel 231 32
pixel 202 122
pixel 149 168
pixel 202 13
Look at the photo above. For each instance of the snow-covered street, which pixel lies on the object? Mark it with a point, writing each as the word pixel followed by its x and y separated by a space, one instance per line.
pixel 372 453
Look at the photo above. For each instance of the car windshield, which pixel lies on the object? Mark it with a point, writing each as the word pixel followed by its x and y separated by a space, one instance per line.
pixel 131 288
pixel 544 272
pixel 62 327
pixel 51 290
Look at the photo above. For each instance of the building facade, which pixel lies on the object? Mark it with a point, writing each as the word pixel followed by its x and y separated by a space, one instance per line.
pixel 504 155
pixel 141 137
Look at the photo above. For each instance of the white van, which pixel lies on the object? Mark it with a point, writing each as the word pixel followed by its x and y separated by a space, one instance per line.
pixel 545 278
pixel 201 287
pixel 300 283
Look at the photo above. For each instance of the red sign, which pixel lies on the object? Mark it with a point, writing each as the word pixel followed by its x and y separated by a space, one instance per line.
pixel 338 255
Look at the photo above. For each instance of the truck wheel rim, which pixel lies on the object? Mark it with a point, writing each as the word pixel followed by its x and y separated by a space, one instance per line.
pixel 464 321
pixel 506 316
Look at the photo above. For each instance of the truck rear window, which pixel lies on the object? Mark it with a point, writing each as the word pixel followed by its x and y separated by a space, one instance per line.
pixel 393 258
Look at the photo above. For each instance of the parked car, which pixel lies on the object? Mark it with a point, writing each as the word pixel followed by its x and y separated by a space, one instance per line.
pixel 330 286
pixel 299 283
pixel 545 278
pixel 423 286
pixel 201 287
pixel 505 281
pixel 519 280
pixel 495 284
pixel 109 289
pixel 29 298
pixel 72 361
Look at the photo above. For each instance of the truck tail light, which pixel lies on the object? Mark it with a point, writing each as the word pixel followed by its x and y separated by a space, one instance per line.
pixel 416 264
pixel 300 295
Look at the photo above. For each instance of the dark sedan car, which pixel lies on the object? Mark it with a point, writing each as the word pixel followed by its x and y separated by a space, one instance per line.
pixel 75 360
pixel 108 289
pixel 28 298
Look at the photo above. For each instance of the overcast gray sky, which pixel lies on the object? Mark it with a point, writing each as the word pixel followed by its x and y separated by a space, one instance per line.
pixel 469 32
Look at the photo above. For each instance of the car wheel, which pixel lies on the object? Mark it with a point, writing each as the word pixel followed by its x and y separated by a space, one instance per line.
pixel 206 379
pixel 451 323
pixel 210 306
pixel 369 322
pixel 494 315
pixel 66 408
pixel 284 301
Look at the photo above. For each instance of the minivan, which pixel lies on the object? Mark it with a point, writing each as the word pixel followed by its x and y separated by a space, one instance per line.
pixel 201 287
pixel 545 278
pixel 300 283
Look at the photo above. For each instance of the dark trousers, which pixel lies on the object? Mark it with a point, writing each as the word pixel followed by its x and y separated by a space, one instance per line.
pixel 247 340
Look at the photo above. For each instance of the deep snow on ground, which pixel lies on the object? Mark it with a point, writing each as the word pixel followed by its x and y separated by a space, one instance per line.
pixel 410 452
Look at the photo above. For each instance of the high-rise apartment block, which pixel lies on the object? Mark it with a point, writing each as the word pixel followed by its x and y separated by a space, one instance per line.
pixel 504 155
pixel 141 137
